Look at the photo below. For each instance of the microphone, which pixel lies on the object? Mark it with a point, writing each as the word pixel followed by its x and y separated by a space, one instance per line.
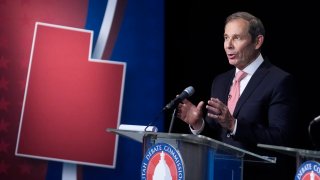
pixel 185 94
pixel 316 119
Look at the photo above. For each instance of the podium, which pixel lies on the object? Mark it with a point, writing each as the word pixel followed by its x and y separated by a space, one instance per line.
pixel 301 155
pixel 202 158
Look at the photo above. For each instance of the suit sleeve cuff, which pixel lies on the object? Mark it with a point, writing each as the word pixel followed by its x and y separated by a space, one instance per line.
pixel 232 133
pixel 197 131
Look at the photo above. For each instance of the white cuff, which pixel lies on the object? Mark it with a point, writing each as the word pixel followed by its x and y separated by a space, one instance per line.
pixel 197 131
pixel 234 129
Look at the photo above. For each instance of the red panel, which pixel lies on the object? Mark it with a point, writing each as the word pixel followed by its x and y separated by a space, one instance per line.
pixel 70 100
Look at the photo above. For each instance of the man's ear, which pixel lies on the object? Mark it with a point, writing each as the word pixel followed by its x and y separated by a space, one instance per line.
pixel 259 41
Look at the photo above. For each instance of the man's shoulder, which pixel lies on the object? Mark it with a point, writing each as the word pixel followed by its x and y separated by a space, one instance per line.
pixel 274 69
pixel 279 72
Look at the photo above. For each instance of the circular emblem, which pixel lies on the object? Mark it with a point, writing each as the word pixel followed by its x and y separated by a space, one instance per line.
pixel 162 161
pixel 309 170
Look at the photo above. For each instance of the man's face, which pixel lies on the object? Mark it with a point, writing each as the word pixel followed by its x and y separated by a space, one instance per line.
pixel 238 44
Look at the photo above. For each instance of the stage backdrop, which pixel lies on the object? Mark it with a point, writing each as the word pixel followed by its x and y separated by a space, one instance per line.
pixel 48 45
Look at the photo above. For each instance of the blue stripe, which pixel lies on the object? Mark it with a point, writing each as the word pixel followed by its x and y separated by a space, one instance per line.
pixel 54 170
pixel 96 10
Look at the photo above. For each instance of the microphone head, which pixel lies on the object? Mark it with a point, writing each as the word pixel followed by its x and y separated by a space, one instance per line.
pixel 189 90
pixel 316 119
pixel 185 93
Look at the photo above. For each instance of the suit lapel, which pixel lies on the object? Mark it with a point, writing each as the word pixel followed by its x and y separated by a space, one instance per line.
pixel 255 80
pixel 227 86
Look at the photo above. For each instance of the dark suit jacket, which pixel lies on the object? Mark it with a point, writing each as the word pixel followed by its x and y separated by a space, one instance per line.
pixel 265 112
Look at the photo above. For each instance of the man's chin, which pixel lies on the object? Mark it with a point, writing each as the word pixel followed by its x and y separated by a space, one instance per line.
pixel 232 62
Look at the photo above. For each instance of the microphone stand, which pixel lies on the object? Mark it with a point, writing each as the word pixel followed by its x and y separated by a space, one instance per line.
pixel 172 120
pixel 154 120
pixel 309 131
pixel 157 118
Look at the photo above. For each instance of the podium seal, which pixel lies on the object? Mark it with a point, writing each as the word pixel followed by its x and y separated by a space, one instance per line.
pixel 309 170
pixel 162 161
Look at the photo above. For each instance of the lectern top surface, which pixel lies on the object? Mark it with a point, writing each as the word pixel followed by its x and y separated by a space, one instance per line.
pixel 218 146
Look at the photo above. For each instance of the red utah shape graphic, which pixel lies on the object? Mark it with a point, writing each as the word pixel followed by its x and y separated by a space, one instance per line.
pixel 70 100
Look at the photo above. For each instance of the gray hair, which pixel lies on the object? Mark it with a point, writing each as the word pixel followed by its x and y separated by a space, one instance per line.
pixel 255 25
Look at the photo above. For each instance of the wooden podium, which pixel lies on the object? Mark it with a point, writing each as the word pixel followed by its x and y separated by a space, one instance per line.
pixel 203 158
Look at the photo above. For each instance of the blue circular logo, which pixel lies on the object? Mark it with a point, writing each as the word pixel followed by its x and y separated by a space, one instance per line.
pixel 162 161
pixel 309 170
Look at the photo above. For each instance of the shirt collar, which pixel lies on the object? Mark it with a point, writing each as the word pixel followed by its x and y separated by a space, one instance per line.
pixel 253 66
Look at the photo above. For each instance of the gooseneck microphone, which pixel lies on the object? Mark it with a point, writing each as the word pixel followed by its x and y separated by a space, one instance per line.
pixel 173 104
pixel 185 94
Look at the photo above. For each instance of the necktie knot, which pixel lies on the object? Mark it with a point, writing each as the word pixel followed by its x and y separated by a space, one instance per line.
pixel 240 75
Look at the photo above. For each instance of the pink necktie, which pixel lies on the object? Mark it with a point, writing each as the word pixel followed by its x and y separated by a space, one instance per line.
pixel 235 91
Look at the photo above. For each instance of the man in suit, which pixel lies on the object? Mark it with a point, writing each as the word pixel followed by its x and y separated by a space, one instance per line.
pixel 266 110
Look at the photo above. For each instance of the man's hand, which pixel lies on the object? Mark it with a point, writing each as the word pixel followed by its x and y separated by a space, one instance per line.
pixel 220 112
pixel 190 113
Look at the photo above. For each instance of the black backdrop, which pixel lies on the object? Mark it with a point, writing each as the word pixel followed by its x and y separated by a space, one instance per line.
pixel 194 51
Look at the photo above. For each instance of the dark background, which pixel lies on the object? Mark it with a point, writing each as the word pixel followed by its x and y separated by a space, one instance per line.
pixel 194 52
